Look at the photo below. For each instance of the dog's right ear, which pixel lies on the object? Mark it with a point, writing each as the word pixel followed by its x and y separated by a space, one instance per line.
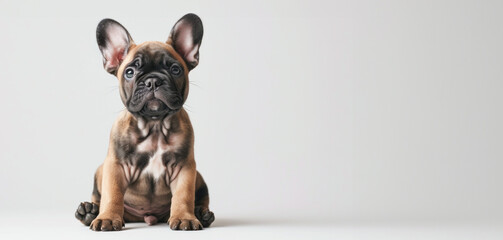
pixel 114 42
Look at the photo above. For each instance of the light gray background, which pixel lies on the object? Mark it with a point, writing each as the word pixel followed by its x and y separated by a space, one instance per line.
pixel 341 110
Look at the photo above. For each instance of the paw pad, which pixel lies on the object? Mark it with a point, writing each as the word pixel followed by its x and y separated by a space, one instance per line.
pixel 86 212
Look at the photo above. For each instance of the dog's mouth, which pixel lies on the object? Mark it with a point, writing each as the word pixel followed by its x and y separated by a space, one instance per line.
pixel 154 104
pixel 155 109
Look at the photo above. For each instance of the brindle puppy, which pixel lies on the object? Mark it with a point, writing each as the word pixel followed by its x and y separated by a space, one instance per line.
pixel 149 173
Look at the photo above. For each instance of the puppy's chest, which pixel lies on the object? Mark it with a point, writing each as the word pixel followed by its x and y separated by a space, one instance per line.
pixel 153 157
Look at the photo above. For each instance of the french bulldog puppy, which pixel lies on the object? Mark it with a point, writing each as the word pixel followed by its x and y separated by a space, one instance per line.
pixel 149 173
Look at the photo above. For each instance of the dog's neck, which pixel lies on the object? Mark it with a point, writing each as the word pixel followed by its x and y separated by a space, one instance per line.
pixel 162 126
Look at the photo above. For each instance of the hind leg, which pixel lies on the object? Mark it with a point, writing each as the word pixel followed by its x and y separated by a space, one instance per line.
pixel 202 201
pixel 87 211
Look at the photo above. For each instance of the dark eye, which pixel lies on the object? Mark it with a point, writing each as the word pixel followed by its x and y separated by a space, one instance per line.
pixel 129 73
pixel 175 69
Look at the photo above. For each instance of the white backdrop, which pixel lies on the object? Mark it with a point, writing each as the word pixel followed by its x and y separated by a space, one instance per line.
pixel 317 109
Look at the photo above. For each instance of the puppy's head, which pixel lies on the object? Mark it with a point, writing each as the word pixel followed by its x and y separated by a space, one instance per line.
pixel 153 76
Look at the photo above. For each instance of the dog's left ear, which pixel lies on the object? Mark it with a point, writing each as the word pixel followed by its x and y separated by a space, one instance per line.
pixel 186 37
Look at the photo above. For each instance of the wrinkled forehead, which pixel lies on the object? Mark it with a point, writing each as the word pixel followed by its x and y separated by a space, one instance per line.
pixel 153 53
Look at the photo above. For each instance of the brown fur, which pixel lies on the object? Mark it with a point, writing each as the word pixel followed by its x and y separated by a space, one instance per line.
pixel 123 193
pixel 114 189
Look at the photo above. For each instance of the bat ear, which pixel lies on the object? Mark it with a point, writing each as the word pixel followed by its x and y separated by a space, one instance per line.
pixel 114 42
pixel 186 37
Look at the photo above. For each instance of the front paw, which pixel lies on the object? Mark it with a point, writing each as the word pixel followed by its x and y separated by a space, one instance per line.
pixel 107 222
pixel 178 223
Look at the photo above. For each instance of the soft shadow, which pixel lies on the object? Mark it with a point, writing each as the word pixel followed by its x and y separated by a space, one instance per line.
pixel 232 222
pixel 222 222
pixel 131 226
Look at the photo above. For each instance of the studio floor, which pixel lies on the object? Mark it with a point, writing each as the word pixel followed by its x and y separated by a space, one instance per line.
pixel 63 226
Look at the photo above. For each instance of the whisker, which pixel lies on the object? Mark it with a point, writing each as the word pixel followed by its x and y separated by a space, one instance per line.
pixel 117 112
pixel 187 107
pixel 195 84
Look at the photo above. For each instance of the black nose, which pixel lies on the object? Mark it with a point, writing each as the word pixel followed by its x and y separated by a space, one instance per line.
pixel 153 83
